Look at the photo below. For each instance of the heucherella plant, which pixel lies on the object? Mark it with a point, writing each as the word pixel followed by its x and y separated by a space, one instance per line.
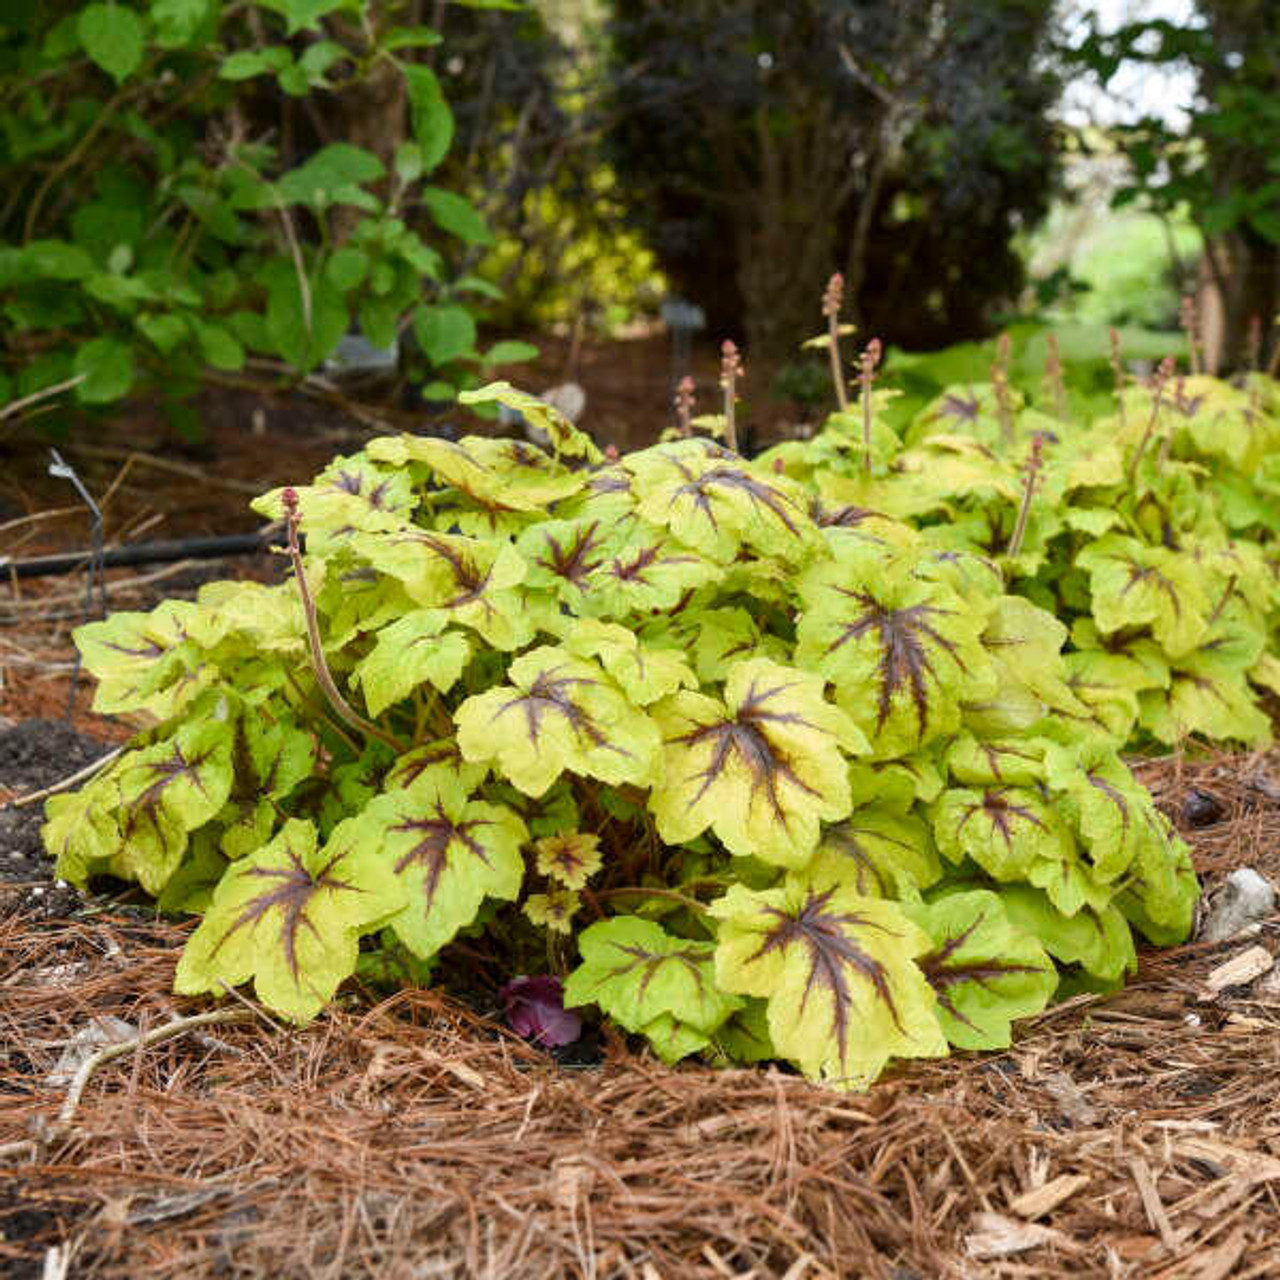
pixel 756 773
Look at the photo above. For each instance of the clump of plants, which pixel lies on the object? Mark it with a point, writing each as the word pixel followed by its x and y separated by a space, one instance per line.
pixel 1151 532
pixel 755 773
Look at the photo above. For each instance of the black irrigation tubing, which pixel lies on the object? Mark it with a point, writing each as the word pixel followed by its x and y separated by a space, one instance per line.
pixel 162 552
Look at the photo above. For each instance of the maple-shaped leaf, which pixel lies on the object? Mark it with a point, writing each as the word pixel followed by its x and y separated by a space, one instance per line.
pixel 838 970
pixel 878 854
pixel 449 853
pixel 1025 642
pixel 717 503
pixel 289 917
pixel 268 619
pixel 903 654
pixel 1208 695
pixel 636 972
pixel 82 830
pixel 644 672
pixel 351 493
pixel 566 440
pixel 1107 807
pixel 649 573
pixel 761 769
pixel 439 758
pixel 165 792
pixel 1160 900
pixel 473 581
pixel 983 762
pixel 984 970
pixel 1013 834
pixel 560 712
pixel 1138 585
pixel 564 555
pixel 497 475
pixel 717 639
pixel 1098 940
pixel 412 651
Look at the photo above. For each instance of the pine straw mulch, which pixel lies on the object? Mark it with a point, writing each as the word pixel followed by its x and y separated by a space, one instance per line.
pixel 1132 1136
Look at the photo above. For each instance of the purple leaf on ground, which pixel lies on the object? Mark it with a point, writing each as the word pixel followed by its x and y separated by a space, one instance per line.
pixel 535 1010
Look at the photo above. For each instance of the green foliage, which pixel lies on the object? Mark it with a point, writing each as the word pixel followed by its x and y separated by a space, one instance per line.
pixel 1151 533
pixel 157 230
pixel 815 788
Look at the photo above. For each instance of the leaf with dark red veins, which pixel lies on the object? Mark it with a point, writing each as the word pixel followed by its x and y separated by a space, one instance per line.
pixel 1016 834
pixel 839 972
pixel 472 582
pixel 440 758
pixel 350 494
pixel 903 654
pixel 566 440
pixel 495 474
pixel 1025 642
pixel 718 504
pixel 289 917
pixel 1209 695
pixel 762 771
pixel 141 660
pixel 1005 762
pixel 564 556
pixel 449 853
pixel 413 651
pixel 1136 585
pixel 166 791
pixel 560 712
pixel 878 854
pixel 644 672
pixel 650 981
pixel 649 573
pixel 984 970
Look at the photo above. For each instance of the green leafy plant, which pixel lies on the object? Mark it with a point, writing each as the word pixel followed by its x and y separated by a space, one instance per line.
pixel 789 779
pixel 161 230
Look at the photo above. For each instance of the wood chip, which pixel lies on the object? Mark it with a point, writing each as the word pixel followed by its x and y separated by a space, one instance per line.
pixel 1220 1261
pixel 1252 1166
pixel 1041 1200
pixel 1241 968
pixel 1000 1237
pixel 1152 1203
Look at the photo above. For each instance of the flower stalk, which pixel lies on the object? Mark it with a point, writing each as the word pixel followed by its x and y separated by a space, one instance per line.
pixel 1162 376
pixel 1035 461
pixel 1054 380
pixel 341 707
pixel 870 360
pixel 832 300
pixel 684 406
pixel 1000 385
pixel 730 371
pixel 1190 326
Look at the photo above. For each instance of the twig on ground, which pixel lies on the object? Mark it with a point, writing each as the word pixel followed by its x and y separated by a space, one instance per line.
pixel 66 783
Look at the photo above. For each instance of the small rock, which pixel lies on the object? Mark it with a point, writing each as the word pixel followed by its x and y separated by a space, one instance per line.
pixel 1201 808
pixel 1246 897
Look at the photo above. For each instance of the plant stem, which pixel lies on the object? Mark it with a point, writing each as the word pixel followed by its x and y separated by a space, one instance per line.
pixel 832 299
pixel 730 372
pixel 870 359
pixel 684 405
pixel 1034 462
pixel 646 891
pixel 1117 368
pixel 318 663
pixel 1053 376
pixel 1162 376
pixel 1189 326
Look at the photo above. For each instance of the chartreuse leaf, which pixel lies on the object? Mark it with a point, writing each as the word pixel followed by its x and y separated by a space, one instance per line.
pixel 166 791
pixel 471 581
pixel 984 971
pixel 651 982
pixel 566 440
pixel 1017 762
pixel 82 829
pixel 838 970
pixel 761 769
pixel 1014 834
pixel 560 712
pixel 411 652
pixel 191 888
pixel 716 503
pixel 1097 940
pixel 1208 695
pixel 141 660
pixel 1025 643
pixel 1136 585
pixel 441 758
pixel 449 853
pixel 878 854
pixel 643 672
pixel 289 917
pixel 903 654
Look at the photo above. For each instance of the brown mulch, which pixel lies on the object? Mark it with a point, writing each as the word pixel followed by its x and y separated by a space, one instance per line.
pixel 1122 1137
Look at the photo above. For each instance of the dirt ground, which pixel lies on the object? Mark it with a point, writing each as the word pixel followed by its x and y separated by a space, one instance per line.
pixel 413 1136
